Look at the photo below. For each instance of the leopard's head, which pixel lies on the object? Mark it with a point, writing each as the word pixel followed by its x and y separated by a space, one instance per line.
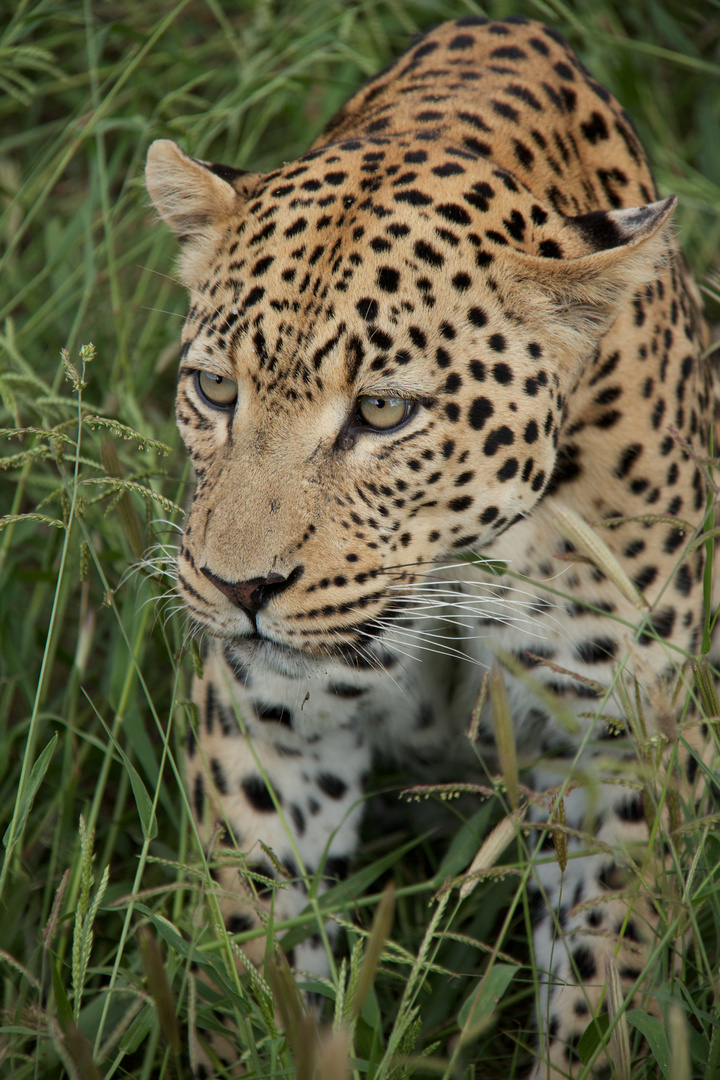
pixel 373 373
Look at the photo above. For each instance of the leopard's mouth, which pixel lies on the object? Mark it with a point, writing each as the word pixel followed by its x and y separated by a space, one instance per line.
pixel 258 651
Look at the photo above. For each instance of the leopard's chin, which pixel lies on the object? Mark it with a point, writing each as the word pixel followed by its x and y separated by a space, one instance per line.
pixel 262 653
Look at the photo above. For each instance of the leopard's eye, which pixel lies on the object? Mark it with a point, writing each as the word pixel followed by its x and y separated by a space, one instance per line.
pixel 383 413
pixel 216 389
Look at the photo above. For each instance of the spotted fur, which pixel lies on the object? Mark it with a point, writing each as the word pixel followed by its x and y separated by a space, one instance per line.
pixel 476 234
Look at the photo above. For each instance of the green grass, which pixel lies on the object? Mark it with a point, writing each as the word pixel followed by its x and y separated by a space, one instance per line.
pixel 94 679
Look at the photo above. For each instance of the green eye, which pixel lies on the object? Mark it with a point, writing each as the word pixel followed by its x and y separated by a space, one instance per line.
pixel 383 413
pixel 216 389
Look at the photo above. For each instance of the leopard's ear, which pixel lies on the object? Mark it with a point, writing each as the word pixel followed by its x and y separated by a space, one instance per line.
pixel 193 196
pixel 577 300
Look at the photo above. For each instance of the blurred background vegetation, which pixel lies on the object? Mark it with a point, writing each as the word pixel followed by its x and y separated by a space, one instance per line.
pixel 93 672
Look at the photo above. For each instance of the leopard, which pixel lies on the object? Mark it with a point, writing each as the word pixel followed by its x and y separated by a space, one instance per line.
pixel 420 363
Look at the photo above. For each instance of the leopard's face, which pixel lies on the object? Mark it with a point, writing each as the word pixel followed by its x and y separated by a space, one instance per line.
pixel 372 379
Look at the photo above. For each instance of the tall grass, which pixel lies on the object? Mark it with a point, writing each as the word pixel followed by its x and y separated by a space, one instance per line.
pixel 102 882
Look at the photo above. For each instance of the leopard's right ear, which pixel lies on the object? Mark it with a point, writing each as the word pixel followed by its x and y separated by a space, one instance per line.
pixel 193 196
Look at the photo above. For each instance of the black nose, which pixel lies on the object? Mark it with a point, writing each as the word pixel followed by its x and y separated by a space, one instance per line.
pixel 253 594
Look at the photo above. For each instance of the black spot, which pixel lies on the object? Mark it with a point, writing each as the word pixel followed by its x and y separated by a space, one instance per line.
pixel 502 373
pixel 367 309
pixel 450 168
pixel 597 651
pixel 683 581
pixel 606 368
pixel 657 413
pixel 501 436
pixel 238 924
pixel 387 279
pixel 608 395
pixel 646 577
pixel 298 818
pixel 279 713
pixel 564 70
pixel 331 785
pixel 479 124
pixel 608 419
pixel 199 797
pixel 508 52
pixel 258 794
pixel 531 432
pixel 413 197
pixel 425 50
pixel 595 128
pixel 497 342
pixel 218 776
pixel 631 809
pixel 337 867
pixel 496 237
pixel 508 470
pixel 479 412
pixel 503 109
pixel 525 156
pixel 454 213
pixel 477 317
pixel 584 962
pixel 662 623
pixel 550 249
pixel 262 265
pixel 344 690
pixel 428 254
pixel 482 149
pixel 477 369
pixel 461 503
pixel 297 227
pixel 674 540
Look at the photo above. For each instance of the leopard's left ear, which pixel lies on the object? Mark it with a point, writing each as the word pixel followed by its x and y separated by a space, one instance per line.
pixel 577 299
pixel 193 196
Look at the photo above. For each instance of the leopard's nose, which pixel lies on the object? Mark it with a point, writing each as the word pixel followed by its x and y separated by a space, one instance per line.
pixel 253 594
